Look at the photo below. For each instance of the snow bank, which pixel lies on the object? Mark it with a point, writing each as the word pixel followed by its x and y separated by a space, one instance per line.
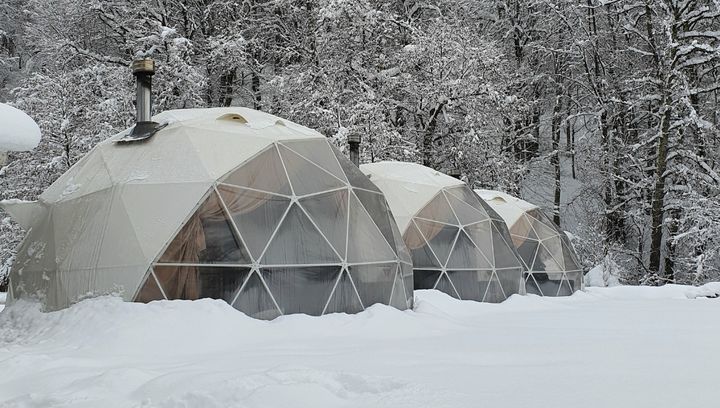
pixel 604 274
pixel 18 132
pixel 616 347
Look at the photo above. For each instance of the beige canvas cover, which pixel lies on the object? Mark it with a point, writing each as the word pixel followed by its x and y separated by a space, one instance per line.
pixel 229 203
pixel 458 244
pixel 551 262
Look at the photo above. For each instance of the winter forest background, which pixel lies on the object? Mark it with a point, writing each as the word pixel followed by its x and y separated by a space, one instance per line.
pixel 605 112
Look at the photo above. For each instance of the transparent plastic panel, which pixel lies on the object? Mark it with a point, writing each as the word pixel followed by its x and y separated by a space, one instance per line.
pixel 264 172
pixel 344 299
pixel 468 284
pixel 207 237
pixel 569 258
pixel 179 282
pixel 409 290
pixel 297 241
pixel 319 152
pixel 531 286
pixel 481 236
pixel 365 241
pixel 221 282
pixel 522 230
pixel 527 252
pixel 301 290
pixel 544 261
pixel 548 284
pixel 554 247
pixel 374 282
pixel 494 293
pixel 440 236
pixel 565 288
pixel 255 301
pixel 149 291
pixel 376 206
pixel 305 176
pixel 505 256
pixel 465 255
pixel 402 249
pixel 420 252
pixel 398 298
pixel 510 280
pixel 444 285
pixel 255 214
pixel 354 175
pixel 424 279
pixel 575 279
pixel 465 213
pixel 469 197
pixel 542 229
pixel 330 212
pixel 438 210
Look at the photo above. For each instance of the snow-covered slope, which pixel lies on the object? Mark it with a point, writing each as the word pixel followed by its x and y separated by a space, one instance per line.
pixel 608 347
pixel 18 132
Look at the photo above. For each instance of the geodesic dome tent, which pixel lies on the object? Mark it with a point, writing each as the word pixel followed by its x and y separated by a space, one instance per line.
pixel 226 203
pixel 457 243
pixel 551 264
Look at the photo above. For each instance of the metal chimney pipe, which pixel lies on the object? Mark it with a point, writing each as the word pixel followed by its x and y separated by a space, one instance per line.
pixel 354 141
pixel 143 69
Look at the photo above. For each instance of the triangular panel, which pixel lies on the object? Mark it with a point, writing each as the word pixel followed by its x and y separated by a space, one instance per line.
pixel 425 279
pixel 465 255
pixel 255 301
pixel 444 285
pixel 255 214
pixel 376 206
pixel 344 299
pixel 329 211
pixel 440 236
pixel 365 241
pixel 264 172
pixel 469 197
pixel 305 176
pixel 544 261
pixel 354 175
pixel 481 236
pixel 373 282
pixel 505 256
pixel 398 298
pixel 318 152
pixel 494 292
pixel 149 290
pixel 301 289
pixel 565 288
pixel 465 213
pixel 438 210
pixel 422 256
pixel 297 241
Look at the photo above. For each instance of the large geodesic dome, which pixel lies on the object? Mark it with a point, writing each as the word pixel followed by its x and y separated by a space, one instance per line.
pixel 552 267
pixel 457 243
pixel 225 203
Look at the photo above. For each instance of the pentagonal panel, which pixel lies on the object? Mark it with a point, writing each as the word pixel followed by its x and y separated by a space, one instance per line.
pixel 438 210
pixel 319 152
pixel 297 241
pixel 256 214
pixel 329 211
pixel 255 301
pixel 444 285
pixel 344 298
pixel 353 174
pixel 425 279
pixel 465 255
pixel 374 282
pixel 441 237
pixel 301 289
pixel 365 241
pixel 207 237
pixel 305 176
pixel 264 172
pixel 422 256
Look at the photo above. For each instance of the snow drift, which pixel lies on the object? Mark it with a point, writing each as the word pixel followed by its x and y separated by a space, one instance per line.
pixel 622 347
pixel 18 132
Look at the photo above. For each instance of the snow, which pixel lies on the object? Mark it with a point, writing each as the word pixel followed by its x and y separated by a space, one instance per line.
pixel 604 274
pixel 18 132
pixel 620 347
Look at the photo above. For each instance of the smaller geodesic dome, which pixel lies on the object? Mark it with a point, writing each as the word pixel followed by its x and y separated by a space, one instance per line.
pixel 225 203
pixel 552 268
pixel 457 243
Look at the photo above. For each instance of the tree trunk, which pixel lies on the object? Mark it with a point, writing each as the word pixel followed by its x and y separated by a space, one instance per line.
pixel 658 196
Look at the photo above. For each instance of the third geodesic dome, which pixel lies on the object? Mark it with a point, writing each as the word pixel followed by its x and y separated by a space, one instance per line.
pixel 550 260
pixel 458 244
pixel 227 203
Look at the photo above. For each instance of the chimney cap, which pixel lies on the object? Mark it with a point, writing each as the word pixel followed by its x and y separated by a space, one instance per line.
pixel 353 138
pixel 143 66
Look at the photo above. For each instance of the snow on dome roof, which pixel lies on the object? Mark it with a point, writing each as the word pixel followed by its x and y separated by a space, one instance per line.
pixel 510 208
pixel 18 131
pixel 408 187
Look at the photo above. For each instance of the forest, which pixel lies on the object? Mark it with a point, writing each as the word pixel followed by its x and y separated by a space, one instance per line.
pixel 605 112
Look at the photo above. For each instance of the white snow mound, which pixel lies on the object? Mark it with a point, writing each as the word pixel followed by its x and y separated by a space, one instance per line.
pixel 607 347
pixel 18 131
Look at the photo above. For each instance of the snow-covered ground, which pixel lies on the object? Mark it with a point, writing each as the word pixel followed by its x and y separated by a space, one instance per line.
pixel 608 347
